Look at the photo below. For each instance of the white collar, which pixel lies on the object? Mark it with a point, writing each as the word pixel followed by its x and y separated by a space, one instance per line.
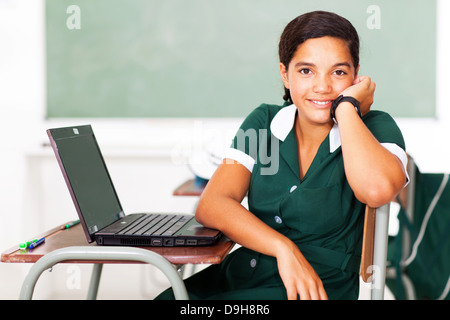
pixel 283 122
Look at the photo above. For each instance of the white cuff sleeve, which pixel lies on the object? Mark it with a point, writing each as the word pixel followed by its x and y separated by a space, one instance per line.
pixel 401 154
pixel 240 157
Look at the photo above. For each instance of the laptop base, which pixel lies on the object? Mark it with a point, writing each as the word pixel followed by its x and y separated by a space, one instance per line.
pixel 190 234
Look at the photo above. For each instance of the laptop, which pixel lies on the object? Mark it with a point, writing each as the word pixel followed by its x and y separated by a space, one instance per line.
pixel 98 206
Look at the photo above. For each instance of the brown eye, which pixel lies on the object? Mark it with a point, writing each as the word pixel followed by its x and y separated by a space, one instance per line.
pixel 340 72
pixel 305 71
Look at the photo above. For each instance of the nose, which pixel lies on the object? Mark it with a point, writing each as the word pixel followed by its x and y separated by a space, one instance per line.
pixel 322 84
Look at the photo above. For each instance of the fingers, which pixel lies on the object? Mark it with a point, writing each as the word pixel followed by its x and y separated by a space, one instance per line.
pixel 308 295
pixel 372 86
pixel 291 293
pixel 360 79
pixel 322 294
pixel 312 291
pixel 362 86
pixel 298 276
pixel 316 292
pixel 365 80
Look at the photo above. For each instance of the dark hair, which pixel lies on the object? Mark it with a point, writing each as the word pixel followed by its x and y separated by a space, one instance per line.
pixel 312 25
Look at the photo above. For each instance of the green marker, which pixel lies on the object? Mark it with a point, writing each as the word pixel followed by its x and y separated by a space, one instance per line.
pixel 26 245
pixel 71 224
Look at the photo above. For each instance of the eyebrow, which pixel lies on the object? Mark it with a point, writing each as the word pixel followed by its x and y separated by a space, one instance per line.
pixel 309 64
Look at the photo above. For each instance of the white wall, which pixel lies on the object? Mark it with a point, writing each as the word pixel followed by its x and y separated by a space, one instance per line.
pixel 140 153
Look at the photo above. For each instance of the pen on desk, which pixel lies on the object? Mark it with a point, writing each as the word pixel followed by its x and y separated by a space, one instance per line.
pixel 36 243
pixel 26 244
pixel 70 224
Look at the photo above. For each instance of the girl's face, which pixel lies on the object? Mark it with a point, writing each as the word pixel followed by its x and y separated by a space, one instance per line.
pixel 319 71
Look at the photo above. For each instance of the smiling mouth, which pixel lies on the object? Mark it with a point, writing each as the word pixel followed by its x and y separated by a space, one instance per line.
pixel 322 103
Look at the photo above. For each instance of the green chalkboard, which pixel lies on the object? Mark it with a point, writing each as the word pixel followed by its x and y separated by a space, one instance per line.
pixel 217 58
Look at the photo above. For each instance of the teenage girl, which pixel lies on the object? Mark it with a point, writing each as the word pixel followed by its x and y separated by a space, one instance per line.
pixel 302 232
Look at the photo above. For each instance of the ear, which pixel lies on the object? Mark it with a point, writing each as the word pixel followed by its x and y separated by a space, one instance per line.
pixel 284 75
pixel 357 71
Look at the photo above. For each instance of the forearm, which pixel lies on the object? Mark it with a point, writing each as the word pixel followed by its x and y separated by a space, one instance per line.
pixel 373 172
pixel 237 223
pixel 220 208
pixel 240 225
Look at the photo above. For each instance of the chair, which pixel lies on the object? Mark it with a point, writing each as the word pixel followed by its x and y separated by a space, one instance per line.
pixel 374 250
pixel 375 239
pixel 406 200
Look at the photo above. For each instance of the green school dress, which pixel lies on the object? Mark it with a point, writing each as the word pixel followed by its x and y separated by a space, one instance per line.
pixel 318 212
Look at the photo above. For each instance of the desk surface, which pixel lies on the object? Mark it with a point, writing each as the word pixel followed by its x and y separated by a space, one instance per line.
pixel 192 187
pixel 58 238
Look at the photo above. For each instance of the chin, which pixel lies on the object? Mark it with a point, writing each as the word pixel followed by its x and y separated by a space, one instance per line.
pixel 322 118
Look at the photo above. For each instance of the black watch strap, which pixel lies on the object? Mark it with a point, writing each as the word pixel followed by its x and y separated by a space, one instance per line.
pixel 340 99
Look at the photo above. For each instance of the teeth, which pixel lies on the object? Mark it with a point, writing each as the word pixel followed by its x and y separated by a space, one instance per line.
pixel 321 102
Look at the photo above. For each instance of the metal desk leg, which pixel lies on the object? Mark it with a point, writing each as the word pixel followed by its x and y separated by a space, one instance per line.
pixel 380 252
pixel 103 254
pixel 95 280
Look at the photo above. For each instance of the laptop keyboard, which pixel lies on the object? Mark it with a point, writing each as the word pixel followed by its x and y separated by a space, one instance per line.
pixel 156 224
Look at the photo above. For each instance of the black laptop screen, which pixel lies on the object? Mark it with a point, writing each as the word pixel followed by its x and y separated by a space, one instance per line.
pixel 88 178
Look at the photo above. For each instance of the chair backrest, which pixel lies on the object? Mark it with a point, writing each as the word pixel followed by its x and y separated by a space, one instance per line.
pixel 375 237
pixel 368 240
pixel 406 200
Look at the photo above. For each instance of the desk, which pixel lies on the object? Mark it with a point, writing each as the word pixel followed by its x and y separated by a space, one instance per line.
pixel 192 187
pixel 71 246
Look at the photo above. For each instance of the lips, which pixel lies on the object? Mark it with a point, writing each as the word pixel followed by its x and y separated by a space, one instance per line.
pixel 321 104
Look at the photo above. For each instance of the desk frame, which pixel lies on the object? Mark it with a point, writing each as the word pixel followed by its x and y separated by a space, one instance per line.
pixel 102 254
pixel 70 246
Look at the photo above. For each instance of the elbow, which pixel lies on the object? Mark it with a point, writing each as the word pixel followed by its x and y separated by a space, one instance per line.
pixel 377 200
pixel 378 195
pixel 202 215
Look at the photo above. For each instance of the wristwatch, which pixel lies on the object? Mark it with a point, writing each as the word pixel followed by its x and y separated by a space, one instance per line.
pixel 340 99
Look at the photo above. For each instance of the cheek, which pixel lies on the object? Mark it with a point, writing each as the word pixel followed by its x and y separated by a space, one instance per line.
pixel 342 85
pixel 299 87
